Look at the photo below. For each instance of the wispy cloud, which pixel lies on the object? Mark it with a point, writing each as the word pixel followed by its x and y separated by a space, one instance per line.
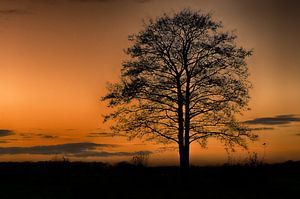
pixel 68 148
pixel 262 129
pixel 37 135
pixel 143 1
pixel 13 12
pixel 26 135
pixel 70 129
pixel 109 154
pixel 109 1
pixel 6 132
pixel 47 136
pixel 100 134
pixel 276 120
pixel 83 149
pixel 89 1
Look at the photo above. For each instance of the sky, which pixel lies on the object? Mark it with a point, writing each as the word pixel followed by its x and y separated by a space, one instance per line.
pixel 57 56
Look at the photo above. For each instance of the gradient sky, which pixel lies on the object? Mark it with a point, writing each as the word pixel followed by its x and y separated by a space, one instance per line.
pixel 56 57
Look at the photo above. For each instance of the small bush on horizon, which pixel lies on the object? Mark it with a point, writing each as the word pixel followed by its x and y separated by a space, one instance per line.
pixel 140 159
pixel 252 160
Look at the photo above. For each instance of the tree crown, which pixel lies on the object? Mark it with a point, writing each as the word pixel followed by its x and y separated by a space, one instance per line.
pixel 184 74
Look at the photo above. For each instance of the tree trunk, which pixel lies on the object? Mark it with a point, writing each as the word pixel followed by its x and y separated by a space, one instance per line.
pixel 184 155
pixel 183 132
pixel 186 149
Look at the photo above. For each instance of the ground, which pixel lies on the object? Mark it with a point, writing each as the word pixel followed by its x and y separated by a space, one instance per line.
pixel 98 180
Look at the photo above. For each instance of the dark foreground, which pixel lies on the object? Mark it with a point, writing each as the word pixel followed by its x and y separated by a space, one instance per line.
pixel 97 180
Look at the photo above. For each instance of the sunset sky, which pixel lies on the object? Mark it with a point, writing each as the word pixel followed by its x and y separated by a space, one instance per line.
pixel 56 57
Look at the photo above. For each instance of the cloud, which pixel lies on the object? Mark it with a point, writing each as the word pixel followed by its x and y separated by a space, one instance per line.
pixel 91 1
pixel 143 1
pixel 47 136
pixel 277 120
pixel 108 1
pixel 26 135
pixel 6 132
pixel 81 150
pixel 109 154
pixel 37 135
pixel 68 148
pixel 101 134
pixel 297 134
pixel 262 129
pixel 70 129
pixel 87 1
pixel 13 12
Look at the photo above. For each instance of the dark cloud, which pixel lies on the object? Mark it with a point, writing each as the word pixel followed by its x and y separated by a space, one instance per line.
pixel 101 134
pixel 47 136
pixel 88 1
pixel 13 12
pixel 109 154
pixel 109 1
pixel 277 120
pixel 6 132
pixel 69 148
pixel 37 135
pixel 143 1
pixel 262 129
pixel 70 129
pixel 297 134
pixel 3 141
pixel 26 135
pixel 83 149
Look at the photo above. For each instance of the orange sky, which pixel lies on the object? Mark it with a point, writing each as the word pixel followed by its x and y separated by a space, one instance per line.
pixel 56 57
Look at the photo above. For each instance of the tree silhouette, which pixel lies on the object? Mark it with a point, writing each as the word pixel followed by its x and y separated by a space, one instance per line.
pixel 184 82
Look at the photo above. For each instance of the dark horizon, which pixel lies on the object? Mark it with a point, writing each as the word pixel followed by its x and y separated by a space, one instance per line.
pixel 89 180
pixel 57 56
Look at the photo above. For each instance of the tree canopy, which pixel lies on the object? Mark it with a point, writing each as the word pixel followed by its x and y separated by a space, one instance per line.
pixel 185 81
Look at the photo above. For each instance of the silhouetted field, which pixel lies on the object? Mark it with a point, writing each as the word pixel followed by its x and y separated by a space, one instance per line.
pixel 99 180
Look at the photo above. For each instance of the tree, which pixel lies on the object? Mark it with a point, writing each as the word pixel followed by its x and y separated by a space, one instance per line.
pixel 185 81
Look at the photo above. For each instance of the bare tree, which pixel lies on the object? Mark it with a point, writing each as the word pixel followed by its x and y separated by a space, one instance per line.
pixel 184 82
